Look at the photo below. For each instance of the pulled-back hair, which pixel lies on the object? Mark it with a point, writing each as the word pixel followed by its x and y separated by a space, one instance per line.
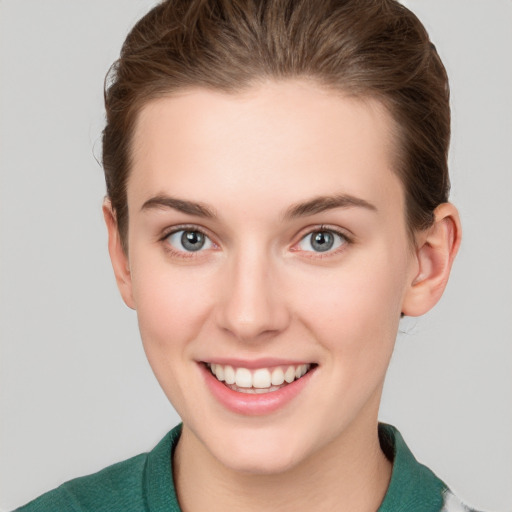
pixel 363 48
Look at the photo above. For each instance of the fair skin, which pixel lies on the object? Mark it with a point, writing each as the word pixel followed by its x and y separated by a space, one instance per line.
pixel 271 285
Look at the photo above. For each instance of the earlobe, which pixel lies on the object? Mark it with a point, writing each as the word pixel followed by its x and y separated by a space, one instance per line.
pixel 436 249
pixel 118 256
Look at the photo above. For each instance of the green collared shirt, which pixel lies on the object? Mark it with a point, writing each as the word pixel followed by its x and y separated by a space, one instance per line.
pixel 145 484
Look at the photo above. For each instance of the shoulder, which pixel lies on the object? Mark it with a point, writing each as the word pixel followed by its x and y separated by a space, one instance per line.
pixel 141 483
pixel 413 486
pixel 117 487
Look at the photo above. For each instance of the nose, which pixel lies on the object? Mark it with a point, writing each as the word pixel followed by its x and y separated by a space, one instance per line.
pixel 252 305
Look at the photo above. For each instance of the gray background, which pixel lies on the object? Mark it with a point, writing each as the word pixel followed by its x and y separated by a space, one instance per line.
pixel 76 392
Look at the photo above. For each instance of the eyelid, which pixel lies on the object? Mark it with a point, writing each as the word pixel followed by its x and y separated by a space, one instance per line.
pixel 184 227
pixel 166 233
pixel 344 233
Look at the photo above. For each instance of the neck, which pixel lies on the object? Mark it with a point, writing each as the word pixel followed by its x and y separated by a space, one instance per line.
pixel 350 473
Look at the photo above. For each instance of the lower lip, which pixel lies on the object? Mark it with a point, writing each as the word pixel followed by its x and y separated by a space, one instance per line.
pixel 254 404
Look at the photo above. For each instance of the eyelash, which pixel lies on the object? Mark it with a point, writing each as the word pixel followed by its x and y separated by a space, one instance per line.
pixel 346 240
pixel 183 254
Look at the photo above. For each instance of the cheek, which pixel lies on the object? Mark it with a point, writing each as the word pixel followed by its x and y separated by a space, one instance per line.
pixel 172 307
pixel 356 312
pixel 172 304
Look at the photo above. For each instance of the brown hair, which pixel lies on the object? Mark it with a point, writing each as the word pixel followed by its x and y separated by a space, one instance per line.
pixel 366 48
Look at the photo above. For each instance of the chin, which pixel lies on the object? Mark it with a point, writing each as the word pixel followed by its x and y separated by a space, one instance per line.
pixel 260 462
pixel 260 451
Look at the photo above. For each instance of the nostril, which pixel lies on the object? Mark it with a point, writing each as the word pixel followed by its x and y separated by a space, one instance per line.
pixel 253 322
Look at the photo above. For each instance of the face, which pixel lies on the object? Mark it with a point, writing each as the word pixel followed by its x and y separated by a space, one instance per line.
pixel 267 239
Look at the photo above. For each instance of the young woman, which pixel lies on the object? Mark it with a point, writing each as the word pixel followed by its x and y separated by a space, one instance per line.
pixel 277 199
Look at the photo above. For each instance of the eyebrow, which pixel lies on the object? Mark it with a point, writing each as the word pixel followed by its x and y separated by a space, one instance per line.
pixel 181 205
pixel 323 203
pixel 311 207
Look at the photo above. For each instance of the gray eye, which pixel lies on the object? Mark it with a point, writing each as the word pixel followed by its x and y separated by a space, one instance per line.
pixel 321 241
pixel 192 240
pixel 189 240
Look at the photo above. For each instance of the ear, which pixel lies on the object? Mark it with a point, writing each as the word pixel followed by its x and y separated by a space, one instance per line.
pixel 435 252
pixel 118 257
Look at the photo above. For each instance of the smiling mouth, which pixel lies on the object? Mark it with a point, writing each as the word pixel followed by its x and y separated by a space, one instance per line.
pixel 260 380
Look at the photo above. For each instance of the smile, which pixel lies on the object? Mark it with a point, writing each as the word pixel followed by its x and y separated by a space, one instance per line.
pixel 257 388
pixel 259 380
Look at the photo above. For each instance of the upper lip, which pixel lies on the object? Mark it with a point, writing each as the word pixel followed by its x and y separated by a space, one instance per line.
pixel 266 362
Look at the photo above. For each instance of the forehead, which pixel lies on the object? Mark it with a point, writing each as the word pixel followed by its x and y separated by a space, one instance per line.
pixel 278 140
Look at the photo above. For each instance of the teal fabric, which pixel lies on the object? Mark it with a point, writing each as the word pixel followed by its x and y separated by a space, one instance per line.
pixel 413 486
pixel 145 483
pixel 142 483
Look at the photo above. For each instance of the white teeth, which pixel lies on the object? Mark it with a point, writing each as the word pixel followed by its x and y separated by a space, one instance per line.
pixel 289 374
pixel 261 380
pixel 277 377
pixel 243 378
pixel 219 372
pixel 229 374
